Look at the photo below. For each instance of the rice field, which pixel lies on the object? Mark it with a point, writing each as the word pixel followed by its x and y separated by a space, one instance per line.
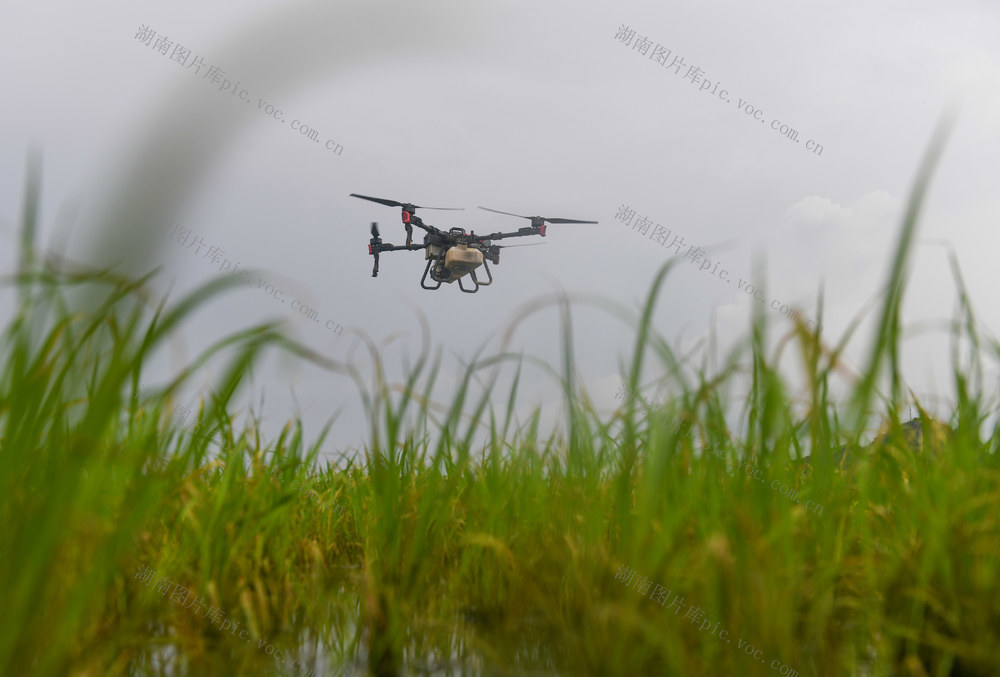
pixel 659 540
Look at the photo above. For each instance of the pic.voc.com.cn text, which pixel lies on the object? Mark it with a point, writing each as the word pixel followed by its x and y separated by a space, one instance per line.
pixel 183 56
pixel 665 58
pixel 642 225
pixel 694 615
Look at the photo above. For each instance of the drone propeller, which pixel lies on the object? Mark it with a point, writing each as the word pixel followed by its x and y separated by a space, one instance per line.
pixel 408 214
pixel 393 203
pixel 374 229
pixel 537 220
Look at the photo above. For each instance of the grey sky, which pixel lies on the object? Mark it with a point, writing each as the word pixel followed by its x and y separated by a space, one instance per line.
pixel 524 107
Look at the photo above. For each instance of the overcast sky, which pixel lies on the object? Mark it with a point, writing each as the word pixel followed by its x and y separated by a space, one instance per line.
pixel 555 109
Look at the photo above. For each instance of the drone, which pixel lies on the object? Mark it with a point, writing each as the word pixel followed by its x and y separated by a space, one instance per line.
pixel 453 254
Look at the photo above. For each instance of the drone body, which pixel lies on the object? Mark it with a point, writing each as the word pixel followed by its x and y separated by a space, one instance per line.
pixel 452 254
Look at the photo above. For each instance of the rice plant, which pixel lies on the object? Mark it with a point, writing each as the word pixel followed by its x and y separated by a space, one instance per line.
pixel 662 539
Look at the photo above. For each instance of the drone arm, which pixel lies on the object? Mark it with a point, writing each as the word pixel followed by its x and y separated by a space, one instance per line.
pixel 522 232
pixel 389 247
pixel 375 248
pixel 418 222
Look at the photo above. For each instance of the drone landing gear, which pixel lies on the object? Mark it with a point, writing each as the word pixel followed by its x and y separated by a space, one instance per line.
pixel 486 265
pixel 423 279
pixel 476 280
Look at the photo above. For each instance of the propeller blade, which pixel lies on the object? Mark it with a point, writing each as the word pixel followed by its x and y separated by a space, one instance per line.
pixel 393 203
pixel 537 218
pixel 508 246
pixel 389 203
pixel 374 229
pixel 507 213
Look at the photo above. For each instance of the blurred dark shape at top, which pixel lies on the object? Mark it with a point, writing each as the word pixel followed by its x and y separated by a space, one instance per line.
pixel 161 168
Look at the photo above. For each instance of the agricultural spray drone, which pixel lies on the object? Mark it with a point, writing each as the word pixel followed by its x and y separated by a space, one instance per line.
pixel 453 254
